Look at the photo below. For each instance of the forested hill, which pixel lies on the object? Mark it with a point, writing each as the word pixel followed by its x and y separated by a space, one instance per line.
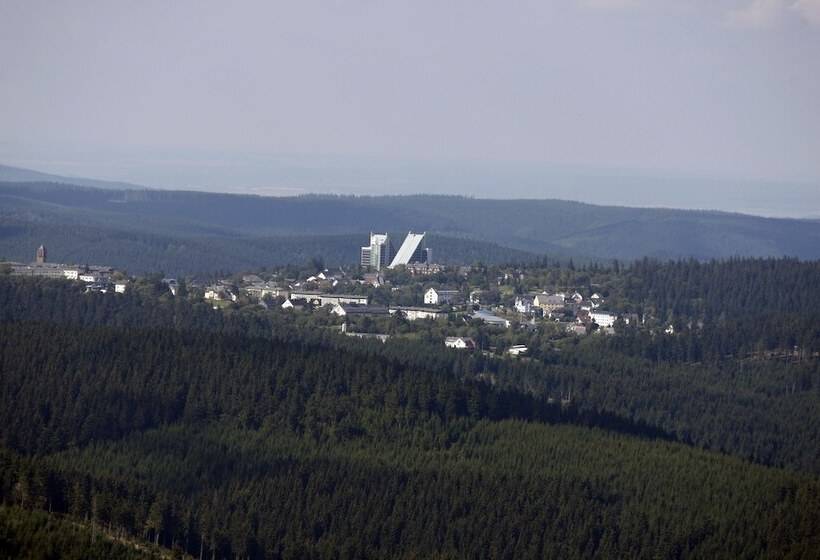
pixel 162 224
pixel 81 225
pixel 11 174
pixel 251 434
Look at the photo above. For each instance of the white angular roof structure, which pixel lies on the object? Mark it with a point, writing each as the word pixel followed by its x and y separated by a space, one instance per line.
pixel 378 238
pixel 410 250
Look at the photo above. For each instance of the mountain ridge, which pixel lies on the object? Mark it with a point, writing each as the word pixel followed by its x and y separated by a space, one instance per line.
pixel 9 173
pixel 524 227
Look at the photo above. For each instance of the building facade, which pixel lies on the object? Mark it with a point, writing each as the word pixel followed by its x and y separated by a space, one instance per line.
pixel 378 254
pixel 459 342
pixel 321 299
pixel 603 319
pixel 435 296
pixel 412 250
pixel 412 313
pixel 549 302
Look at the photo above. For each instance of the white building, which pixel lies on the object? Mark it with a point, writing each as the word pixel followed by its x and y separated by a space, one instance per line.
pixel 435 296
pixel 414 313
pixel 322 299
pixel 411 251
pixel 517 350
pixel 603 319
pixel 71 274
pixel 523 304
pixel 459 342
pixel 96 289
pixel 120 287
pixel 262 289
pixel 216 293
pixel 596 300
pixel 173 287
pixel 378 254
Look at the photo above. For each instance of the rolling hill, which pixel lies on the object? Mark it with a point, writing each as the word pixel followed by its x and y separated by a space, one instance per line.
pixel 22 175
pixel 155 229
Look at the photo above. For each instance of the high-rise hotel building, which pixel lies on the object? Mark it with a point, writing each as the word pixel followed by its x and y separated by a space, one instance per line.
pixel 378 254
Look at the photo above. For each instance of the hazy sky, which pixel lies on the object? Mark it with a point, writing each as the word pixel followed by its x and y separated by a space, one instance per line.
pixel 154 90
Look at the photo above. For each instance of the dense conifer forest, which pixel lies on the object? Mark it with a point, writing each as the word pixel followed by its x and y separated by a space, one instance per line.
pixel 250 433
pixel 33 534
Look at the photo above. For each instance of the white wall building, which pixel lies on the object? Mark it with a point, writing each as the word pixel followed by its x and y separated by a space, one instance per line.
pixel 603 319
pixel 378 254
pixel 411 251
pixel 523 304
pixel 416 313
pixel 261 290
pixel 322 299
pixel 216 293
pixel 435 296
pixel 459 342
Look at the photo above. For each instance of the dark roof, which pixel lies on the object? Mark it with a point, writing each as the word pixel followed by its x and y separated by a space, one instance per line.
pixel 418 308
pixel 351 309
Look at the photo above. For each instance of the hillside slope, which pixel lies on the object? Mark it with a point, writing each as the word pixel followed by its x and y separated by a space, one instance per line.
pixel 557 228
pixel 9 173
pixel 297 443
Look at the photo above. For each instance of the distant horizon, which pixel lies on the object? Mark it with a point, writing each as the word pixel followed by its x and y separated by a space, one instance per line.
pixel 690 105
pixel 340 176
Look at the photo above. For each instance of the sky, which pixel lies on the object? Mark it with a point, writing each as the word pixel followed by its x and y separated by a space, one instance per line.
pixel 618 101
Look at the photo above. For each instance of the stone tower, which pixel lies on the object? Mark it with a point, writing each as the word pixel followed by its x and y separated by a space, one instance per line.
pixel 41 254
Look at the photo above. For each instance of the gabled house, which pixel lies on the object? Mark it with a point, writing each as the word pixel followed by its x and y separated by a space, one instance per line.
pixel 549 302
pixel 295 304
pixel 440 296
pixel 524 304
pixel 595 300
pixel 459 342
pixel 603 319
